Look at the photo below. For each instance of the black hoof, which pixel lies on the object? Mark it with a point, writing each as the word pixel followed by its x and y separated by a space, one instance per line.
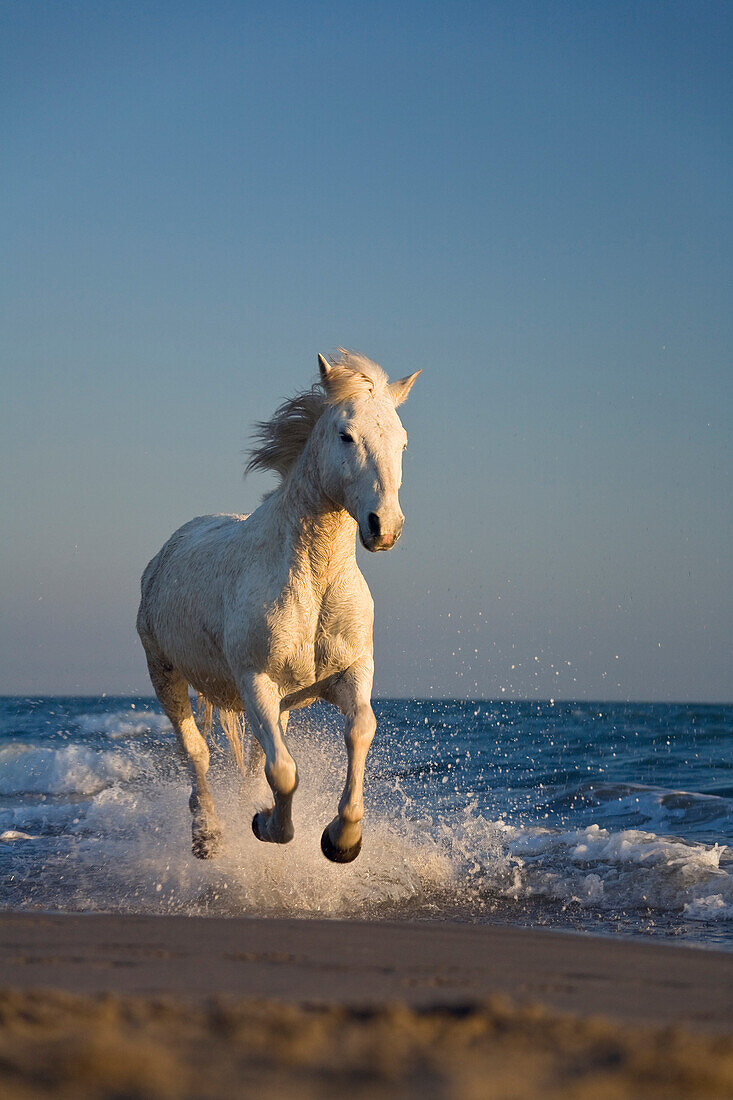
pixel 338 855
pixel 256 828
pixel 285 836
pixel 206 845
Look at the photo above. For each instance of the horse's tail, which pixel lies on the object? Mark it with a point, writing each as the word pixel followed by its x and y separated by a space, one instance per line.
pixel 205 715
pixel 232 722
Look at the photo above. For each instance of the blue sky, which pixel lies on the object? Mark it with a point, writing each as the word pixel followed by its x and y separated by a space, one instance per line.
pixel 529 201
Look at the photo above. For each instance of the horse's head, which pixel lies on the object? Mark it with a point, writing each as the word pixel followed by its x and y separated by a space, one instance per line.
pixel 362 445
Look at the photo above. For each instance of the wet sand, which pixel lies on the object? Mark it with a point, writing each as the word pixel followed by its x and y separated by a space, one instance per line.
pixel 110 1006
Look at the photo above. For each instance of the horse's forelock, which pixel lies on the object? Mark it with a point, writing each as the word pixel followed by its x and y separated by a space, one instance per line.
pixel 353 375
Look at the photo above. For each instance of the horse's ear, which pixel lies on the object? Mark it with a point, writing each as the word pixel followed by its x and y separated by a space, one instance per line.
pixel 324 369
pixel 402 387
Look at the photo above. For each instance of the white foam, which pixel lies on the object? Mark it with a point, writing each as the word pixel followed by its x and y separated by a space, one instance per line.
pixel 712 907
pixel 629 869
pixel 60 770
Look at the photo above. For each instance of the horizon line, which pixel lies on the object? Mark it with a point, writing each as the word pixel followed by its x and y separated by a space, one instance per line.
pixel 550 699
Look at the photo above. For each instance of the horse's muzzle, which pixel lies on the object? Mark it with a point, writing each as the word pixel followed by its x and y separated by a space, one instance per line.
pixel 378 537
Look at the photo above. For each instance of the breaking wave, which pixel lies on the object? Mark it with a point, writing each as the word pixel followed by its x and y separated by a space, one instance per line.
pixel 66 770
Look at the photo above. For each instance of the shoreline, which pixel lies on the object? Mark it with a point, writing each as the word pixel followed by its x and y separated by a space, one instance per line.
pixel 207 1008
pixel 366 963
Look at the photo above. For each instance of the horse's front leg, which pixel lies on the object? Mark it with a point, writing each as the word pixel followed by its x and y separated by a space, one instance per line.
pixel 262 707
pixel 341 840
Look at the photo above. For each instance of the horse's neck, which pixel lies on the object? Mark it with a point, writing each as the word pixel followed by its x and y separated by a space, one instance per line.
pixel 318 538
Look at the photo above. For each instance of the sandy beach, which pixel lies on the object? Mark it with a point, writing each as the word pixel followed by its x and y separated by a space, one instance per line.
pixel 109 1006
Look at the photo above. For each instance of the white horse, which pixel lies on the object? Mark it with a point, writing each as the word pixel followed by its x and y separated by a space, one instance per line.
pixel 266 613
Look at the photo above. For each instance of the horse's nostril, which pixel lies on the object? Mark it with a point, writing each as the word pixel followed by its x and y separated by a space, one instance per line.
pixel 374 525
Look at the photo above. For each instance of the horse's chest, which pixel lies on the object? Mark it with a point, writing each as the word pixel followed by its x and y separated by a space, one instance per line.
pixel 335 652
pixel 307 646
pixel 290 650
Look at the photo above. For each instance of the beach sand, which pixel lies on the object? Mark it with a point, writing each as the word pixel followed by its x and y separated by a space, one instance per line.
pixel 121 1006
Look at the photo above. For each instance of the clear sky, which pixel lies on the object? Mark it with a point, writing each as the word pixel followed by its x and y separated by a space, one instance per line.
pixel 531 201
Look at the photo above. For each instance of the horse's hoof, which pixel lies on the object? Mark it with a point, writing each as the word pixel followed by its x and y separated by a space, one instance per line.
pixel 338 855
pixel 259 829
pixel 256 828
pixel 206 845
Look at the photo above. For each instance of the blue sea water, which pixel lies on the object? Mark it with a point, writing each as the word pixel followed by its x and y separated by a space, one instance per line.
pixel 599 817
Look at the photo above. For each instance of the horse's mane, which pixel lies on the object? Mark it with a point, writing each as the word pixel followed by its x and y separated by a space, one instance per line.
pixel 278 442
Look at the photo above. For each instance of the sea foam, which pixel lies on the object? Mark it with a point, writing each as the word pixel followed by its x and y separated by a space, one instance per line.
pixel 60 769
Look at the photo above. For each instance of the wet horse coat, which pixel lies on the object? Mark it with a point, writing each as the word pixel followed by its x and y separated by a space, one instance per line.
pixel 264 613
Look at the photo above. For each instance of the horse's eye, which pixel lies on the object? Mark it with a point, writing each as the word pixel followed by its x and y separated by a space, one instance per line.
pixel 345 437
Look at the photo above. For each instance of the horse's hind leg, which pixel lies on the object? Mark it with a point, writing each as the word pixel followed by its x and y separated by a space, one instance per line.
pixel 172 691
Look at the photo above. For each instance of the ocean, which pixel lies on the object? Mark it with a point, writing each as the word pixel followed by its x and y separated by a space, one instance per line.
pixel 600 817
